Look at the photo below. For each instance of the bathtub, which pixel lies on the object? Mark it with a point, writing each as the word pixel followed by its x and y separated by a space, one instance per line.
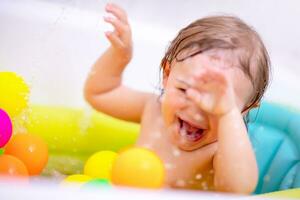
pixel 52 44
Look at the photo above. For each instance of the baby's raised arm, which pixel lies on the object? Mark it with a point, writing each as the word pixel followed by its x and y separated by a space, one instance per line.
pixel 235 168
pixel 103 88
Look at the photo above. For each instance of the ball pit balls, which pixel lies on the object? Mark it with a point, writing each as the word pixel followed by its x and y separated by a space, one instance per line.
pixel 138 167
pixel 99 164
pixel 1 151
pixel 78 179
pixel 5 128
pixel 31 149
pixel 97 183
pixel 14 93
pixel 11 166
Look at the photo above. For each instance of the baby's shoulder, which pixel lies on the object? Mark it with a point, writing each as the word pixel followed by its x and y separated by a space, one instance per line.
pixel 152 108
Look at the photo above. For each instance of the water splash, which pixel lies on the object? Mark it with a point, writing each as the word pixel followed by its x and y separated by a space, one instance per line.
pixel 85 121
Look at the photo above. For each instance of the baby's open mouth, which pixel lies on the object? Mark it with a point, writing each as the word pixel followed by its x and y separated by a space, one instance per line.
pixel 189 131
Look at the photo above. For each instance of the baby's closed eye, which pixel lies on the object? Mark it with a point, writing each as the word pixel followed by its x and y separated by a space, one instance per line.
pixel 181 89
pixel 182 85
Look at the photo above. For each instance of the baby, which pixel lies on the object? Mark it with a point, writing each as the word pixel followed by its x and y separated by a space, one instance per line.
pixel 214 71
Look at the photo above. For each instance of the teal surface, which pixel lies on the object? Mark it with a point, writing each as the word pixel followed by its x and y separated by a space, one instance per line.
pixel 275 135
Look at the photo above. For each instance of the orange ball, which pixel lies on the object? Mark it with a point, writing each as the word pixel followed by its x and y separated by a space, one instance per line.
pixel 31 149
pixel 138 167
pixel 12 167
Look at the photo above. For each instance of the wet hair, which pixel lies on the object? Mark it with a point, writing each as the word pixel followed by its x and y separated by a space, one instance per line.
pixel 228 33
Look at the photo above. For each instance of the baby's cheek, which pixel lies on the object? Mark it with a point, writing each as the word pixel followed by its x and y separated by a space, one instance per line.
pixel 176 99
pixel 171 103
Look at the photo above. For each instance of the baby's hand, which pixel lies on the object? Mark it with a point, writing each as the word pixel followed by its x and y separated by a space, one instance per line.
pixel 120 38
pixel 212 92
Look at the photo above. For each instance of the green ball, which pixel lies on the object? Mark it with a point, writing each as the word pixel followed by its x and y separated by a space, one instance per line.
pixel 97 183
pixel 1 151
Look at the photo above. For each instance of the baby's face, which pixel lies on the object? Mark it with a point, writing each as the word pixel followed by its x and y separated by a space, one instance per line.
pixel 190 127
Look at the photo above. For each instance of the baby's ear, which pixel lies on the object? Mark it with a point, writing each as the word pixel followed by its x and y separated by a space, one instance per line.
pixel 166 73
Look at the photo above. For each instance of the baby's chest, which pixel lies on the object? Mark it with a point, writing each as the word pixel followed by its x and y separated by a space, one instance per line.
pixel 183 169
pixel 187 169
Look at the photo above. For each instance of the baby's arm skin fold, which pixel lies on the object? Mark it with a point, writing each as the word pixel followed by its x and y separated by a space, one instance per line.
pixel 103 88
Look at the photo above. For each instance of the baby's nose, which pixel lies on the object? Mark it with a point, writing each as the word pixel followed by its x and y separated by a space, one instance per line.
pixel 194 112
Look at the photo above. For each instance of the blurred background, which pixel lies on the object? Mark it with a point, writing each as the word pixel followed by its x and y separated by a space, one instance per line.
pixel 53 43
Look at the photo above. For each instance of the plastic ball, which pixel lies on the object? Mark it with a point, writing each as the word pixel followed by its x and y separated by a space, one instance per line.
pixel 97 183
pixel 11 166
pixel 1 151
pixel 125 148
pixel 78 179
pixel 99 164
pixel 138 167
pixel 5 128
pixel 14 93
pixel 31 149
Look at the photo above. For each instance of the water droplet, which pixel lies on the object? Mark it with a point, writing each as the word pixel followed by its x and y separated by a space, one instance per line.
pixel 147 146
pixel 176 152
pixel 290 181
pixel 157 135
pixel 180 183
pixel 31 149
pixel 198 117
pixel 11 171
pixel 204 185
pixel 169 166
pixel 267 178
pixel 241 144
pixel 198 176
pixel 93 72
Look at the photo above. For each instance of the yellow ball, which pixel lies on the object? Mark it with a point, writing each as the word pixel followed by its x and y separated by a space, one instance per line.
pixel 138 167
pixel 99 164
pixel 14 93
pixel 78 179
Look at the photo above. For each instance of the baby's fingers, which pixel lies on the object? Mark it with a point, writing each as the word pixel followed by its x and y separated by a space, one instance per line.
pixel 117 11
pixel 202 100
pixel 114 39
pixel 117 24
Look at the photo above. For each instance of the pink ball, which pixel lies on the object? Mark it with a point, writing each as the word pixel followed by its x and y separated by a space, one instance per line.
pixel 5 128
